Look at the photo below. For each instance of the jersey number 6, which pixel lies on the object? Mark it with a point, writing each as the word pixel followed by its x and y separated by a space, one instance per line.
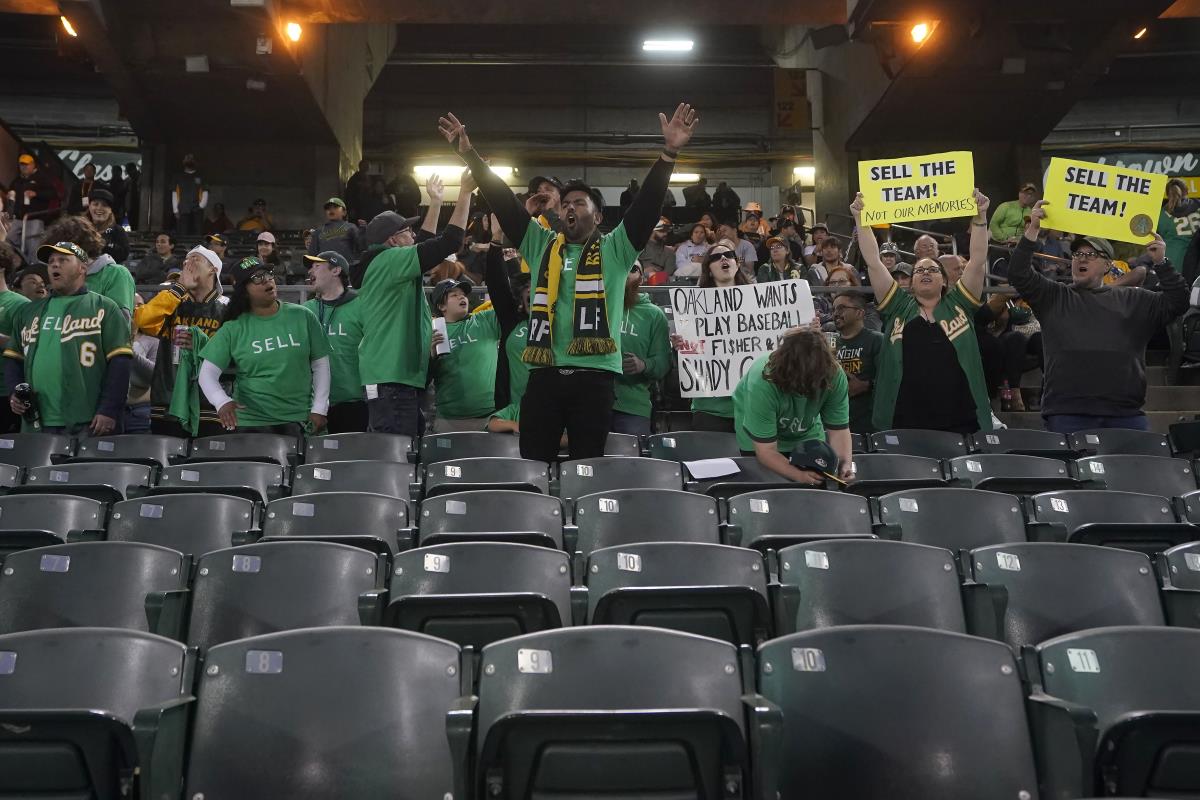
pixel 87 354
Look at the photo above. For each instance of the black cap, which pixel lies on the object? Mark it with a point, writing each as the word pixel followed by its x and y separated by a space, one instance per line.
pixel 218 238
pixel 331 257
pixel 447 286
pixel 37 268
pixel 538 180
pixel 580 186
pixel 103 195
pixel 241 272
pixel 815 455
pixel 386 224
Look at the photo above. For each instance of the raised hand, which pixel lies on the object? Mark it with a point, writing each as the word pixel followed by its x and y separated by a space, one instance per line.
pixel 435 188
pixel 677 131
pixel 1036 216
pixel 466 184
pixel 856 208
pixel 981 203
pixel 454 132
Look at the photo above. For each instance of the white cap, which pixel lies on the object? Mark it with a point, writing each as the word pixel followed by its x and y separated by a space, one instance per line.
pixel 212 257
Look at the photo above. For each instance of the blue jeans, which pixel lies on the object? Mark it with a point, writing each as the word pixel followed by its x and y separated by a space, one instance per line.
pixel 137 418
pixel 1073 423
pixel 629 423
pixel 397 409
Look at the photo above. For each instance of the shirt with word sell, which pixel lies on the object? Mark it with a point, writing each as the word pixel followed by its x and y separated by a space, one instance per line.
pixel 343 327
pixel 466 376
pixel 765 413
pixel 274 358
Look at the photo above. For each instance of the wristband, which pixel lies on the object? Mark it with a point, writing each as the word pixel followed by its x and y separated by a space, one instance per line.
pixel 671 154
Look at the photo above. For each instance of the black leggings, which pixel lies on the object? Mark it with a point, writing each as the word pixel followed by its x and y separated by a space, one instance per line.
pixel 578 401
pixel 1004 357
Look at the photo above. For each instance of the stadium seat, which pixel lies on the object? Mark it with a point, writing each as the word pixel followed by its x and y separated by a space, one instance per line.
pixel 881 473
pixel 622 444
pixel 707 589
pixel 10 476
pixel 1184 438
pixel 107 710
pixel 896 713
pixel 608 474
pixel 358 447
pixel 141 587
pixel 1011 473
pixel 475 593
pixel 391 478
pixel 750 476
pixel 1169 477
pixel 375 522
pixel 956 519
pixel 923 443
pixel 496 515
pixel 269 447
pixel 140 448
pixel 325 712
pixel 468 444
pixel 612 711
pixel 865 582
pixel 193 524
pixel 1130 697
pixel 627 516
pixel 1023 594
pixel 39 520
pixel 1119 441
pixel 465 474
pixel 257 481
pixel 108 482
pixel 35 449
pixel 268 587
pixel 1179 570
pixel 1142 522
pixel 860 443
pixel 777 518
pixel 1023 441
pixel 693 445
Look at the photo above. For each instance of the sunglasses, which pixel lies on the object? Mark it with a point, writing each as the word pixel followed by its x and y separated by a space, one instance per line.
pixel 1085 255
pixel 715 257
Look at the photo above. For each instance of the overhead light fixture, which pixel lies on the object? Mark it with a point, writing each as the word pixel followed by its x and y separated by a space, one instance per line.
pixel 67 26
pixel 293 31
pixel 195 63
pixel 805 176
pixel 685 177
pixel 668 45
pixel 1140 34
pixel 920 32
pixel 450 172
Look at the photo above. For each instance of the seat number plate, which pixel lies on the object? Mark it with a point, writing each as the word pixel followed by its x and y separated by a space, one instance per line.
pixel 815 559
pixel 189 475
pixel 1058 504
pixel 60 476
pixel 908 504
pixel 583 470
pixel 8 662
pixel 330 444
pixel 808 659
pixel 760 507
pixel 1083 660
pixel 456 507
pixel 304 510
pixel 453 472
pixel 436 562
pixel 150 511
pixel 629 562
pixel 974 466
pixel 1096 467
pixel 535 662
pixel 609 506
pixel 53 563
pixel 247 564
pixel 322 474
pixel 1192 560
pixel 264 662
pixel 1008 561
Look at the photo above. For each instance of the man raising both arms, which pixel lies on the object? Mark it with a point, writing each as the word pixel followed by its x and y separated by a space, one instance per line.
pixel 578 296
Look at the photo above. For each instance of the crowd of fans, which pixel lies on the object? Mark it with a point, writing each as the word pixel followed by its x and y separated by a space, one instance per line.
pixel 567 346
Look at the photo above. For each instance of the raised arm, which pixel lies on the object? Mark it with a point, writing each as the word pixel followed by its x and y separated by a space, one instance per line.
pixel 514 219
pixel 976 269
pixel 432 252
pixel 644 212
pixel 436 191
pixel 495 277
pixel 881 279
pixel 1031 284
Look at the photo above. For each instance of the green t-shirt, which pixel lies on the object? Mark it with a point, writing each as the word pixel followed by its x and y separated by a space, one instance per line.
pixel 343 328
pixel 510 413
pixel 1177 232
pixel 396 321
pixel 765 413
pixel 716 406
pixel 46 369
pixel 273 357
pixel 858 356
pixel 644 334
pixel 9 300
pixel 466 376
pixel 116 283
pixel 518 370
pixel 617 255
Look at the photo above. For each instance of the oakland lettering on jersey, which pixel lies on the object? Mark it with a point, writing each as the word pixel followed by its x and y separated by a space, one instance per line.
pixel 273 343
pixel 69 327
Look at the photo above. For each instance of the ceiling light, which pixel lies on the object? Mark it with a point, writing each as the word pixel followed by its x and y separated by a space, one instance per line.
pixel 920 32
pixel 450 173
pixel 668 45
pixel 67 26
pixel 805 176
pixel 293 31
pixel 1140 34
pixel 685 177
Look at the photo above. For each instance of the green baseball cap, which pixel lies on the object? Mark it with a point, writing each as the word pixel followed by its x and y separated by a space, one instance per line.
pixel 1101 246
pixel 66 248
pixel 335 201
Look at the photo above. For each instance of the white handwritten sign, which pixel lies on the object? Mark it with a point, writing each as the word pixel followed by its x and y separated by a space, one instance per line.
pixel 726 329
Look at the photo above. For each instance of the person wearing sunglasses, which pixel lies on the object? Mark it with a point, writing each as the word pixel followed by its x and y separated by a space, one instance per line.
pixel 1094 336
pixel 930 372
pixel 282 359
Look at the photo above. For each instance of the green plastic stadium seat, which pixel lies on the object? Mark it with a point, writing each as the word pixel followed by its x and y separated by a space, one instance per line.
pixel 193 524
pixel 495 515
pixel 108 482
pixel 375 522
pixel 358 447
pixel 254 480
pixel 35 449
pixel 955 519
pixel 391 478
pixel 270 447
pixel 38 520
pixel 488 472
pixel 777 518
pixel 468 444
pixel 140 448
pixel 923 443
pixel 693 445
pixel 1129 520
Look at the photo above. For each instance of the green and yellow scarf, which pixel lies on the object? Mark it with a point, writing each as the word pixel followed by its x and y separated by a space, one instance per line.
pixel 589 303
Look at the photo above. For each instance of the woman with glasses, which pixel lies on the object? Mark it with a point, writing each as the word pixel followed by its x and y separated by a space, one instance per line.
pixel 930 373
pixel 282 359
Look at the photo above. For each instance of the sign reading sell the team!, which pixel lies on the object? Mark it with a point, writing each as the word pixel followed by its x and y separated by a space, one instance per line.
pixel 726 329
pixel 1102 200
pixel 918 187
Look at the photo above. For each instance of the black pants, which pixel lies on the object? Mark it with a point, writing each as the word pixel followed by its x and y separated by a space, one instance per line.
pixel 164 426
pixel 350 417
pixel 703 421
pixel 1003 357
pixel 578 401
pixel 10 422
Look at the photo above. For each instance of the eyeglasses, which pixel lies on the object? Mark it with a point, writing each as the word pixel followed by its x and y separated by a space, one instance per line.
pixel 926 271
pixel 1085 255
pixel 261 277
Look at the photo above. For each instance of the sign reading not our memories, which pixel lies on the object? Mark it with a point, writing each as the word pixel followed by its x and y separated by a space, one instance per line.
pixel 1102 200
pixel 726 329
pixel 935 186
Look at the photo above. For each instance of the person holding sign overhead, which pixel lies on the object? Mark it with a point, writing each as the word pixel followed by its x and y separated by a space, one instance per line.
pixel 1094 336
pixel 930 373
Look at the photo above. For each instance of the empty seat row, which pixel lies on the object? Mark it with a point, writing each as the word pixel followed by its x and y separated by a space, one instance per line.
pixel 867 712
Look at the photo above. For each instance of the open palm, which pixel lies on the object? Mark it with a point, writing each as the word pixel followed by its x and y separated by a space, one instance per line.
pixel 677 131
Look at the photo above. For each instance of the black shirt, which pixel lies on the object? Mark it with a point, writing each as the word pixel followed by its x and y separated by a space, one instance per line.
pixel 934 392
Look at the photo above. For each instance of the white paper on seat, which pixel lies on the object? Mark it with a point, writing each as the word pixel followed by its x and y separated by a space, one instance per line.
pixel 712 468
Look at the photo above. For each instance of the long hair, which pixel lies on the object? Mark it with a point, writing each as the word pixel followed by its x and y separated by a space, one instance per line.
pixel 802 365
pixel 239 303
pixel 853 278
pixel 77 230
pixel 109 220
pixel 706 279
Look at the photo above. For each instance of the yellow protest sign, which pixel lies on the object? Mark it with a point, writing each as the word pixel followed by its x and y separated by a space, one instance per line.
pixel 1102 200
pixel 918 187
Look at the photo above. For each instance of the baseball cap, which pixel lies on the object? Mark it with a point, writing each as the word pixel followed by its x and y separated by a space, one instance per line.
pixel 447 286
pixel 1028 186
pixel 538 180
pixel 66 248
pixel 331 257
pixel 242 271
pixel 889 247
pixel 815 455
pixel 753 206
pixel 209 256
pixel 580 186
pixel 387 223
pixel 820 226
pixel 266 236
pixel 218 238
pixel 903 267
pixel 103 195
pixel 335 201
pixel 25 159
pixel 774 240
pixel 1102 246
